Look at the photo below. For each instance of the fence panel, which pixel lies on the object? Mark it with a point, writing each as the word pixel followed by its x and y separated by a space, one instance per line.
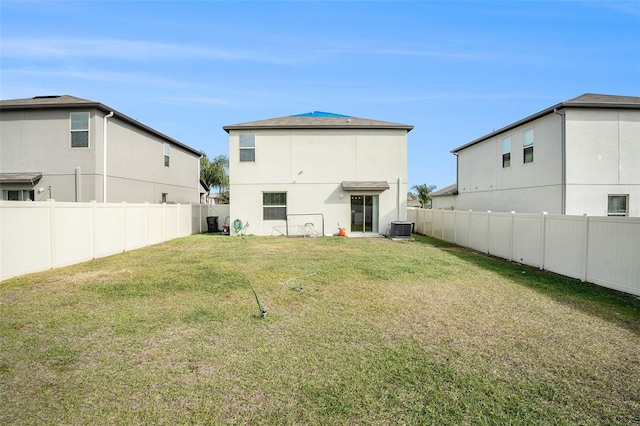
pixel 437 224
pixel 25 237
pixel 448 226
pixel 500 225
pixel 614 253
pixel 72 236
pixel 565 245
pixel 527 239
pixel 478 234
pixel 108 218
pixel 462 222
pixel 136 219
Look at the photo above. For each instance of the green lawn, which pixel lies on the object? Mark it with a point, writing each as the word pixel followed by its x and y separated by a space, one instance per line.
pixel 383 332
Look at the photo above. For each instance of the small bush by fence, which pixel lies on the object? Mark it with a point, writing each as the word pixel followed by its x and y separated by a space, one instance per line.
pixel 600 250
pixel 37 236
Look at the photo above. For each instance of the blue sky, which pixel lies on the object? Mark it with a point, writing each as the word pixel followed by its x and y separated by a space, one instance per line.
pixel 454 70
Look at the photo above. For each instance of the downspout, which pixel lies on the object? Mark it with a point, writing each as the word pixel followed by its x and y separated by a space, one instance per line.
pixel 78 184
pixel 198 185
pixel 563 156
pixel 104 157
pixel 399 180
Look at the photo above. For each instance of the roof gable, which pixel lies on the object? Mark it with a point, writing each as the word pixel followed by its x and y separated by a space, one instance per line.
pixel 587 100
pixel 66 101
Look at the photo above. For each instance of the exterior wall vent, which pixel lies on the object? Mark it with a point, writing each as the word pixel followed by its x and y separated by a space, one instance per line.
pixel 401 229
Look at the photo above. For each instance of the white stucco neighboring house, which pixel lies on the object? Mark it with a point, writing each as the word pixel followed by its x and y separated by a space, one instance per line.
pixel 73 149
pixel 347 172
pixel 581 156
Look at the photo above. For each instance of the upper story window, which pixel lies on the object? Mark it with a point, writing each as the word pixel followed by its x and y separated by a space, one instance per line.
pixel 274 205
pixel 166 155
pixel 506 152
pixel 618 205
pixel 79 129
pixel 527 145
pixel 248 148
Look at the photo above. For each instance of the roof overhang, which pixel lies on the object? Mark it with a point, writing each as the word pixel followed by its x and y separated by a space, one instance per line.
pixel 365 185
pixel 28 178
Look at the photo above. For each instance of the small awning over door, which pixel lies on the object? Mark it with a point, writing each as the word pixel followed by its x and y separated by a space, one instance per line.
pixel 30 178
pixel 365 185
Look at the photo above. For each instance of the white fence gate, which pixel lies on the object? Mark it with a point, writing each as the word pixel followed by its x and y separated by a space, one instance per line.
pixel 601 250
pixel 36 236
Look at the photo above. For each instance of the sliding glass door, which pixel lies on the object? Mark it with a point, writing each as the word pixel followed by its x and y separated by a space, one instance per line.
pixel 364 213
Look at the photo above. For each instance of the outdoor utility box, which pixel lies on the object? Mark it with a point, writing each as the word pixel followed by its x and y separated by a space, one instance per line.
pixel 212 224
pixel 401 229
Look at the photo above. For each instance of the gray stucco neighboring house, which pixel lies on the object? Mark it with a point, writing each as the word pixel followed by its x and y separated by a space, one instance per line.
pixel 73 149
pixel 581 156
pixel 350 171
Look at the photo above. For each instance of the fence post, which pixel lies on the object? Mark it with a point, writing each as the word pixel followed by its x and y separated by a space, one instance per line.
pixel 52 233
pixel 543 237
pixel 455 227
pixel 489 232
pixel 124 226
pixel 469 229
pixel 513 218
pixel 586 248
pixel 94 229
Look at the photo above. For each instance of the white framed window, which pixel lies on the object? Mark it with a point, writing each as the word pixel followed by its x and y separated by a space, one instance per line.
pixel 274 205
pixel 618 205
pixel 527 145
pixel 79 125
pixel 19 195
pixel 166 155
pixel 248 148
pixel 506 152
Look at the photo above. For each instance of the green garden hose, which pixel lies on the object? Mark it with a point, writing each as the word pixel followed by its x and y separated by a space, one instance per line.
pixel 299 286
pixel 263 309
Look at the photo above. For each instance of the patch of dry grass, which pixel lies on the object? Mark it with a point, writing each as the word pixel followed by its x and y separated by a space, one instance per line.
pixel 385 332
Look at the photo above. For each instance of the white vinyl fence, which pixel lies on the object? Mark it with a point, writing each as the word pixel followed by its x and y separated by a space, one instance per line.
pixel 600 250
pixel 36 236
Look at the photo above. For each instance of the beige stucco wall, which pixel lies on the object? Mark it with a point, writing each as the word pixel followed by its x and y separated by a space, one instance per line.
pixel 310 165
pixel 39 141
pixel 603 158
pixel 483 184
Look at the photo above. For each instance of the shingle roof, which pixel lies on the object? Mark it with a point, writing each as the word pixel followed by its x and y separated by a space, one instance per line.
pixel 587 100
pixel 448 190
pixel 66 101
pixel 317 120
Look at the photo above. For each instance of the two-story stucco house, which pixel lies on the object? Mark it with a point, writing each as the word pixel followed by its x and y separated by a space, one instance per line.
pixel 73 149
pixel 290 170
pixel 581 156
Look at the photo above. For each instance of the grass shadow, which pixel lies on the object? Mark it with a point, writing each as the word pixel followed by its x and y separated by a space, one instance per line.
pixel 611 305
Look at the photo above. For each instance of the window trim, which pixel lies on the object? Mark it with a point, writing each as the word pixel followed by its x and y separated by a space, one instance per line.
pixel 87 130
pixel 626 207
pixel 247 148
pixel 166 156
pixel 267 206
pixel 506 154
pixel 528 147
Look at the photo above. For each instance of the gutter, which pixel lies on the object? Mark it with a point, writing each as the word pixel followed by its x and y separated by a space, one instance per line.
pixel 563 156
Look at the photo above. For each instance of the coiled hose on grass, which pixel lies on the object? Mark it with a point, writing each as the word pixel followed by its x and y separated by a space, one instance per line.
pixel 299 277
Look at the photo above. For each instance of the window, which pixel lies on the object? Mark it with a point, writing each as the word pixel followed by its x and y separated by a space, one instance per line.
pixel 79 129
pixel 247 147
pixel 618 205
pixel 164 197
pixel 19 195
pixel 274 205
pixel 527 145
pixel 166 155
pixel 506 152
